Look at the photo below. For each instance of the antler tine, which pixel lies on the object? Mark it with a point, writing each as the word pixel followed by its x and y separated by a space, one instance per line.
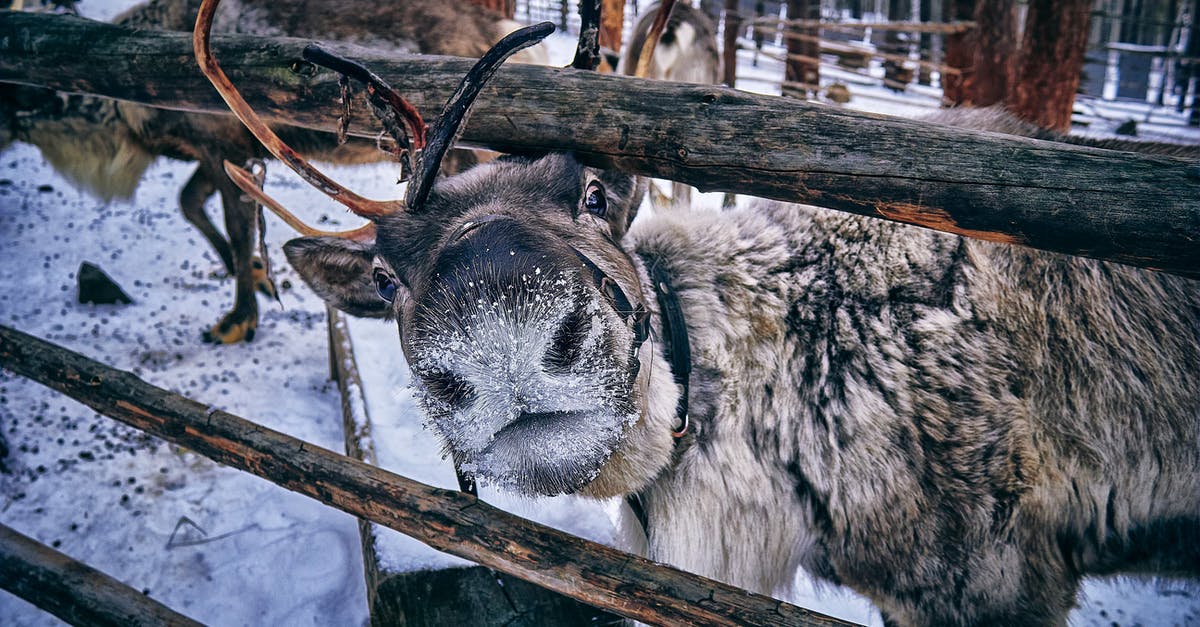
pixel 201 37
pixel 390 107
pixel 454 115
pixel 587 51
pixel 245 181
pixel 656 30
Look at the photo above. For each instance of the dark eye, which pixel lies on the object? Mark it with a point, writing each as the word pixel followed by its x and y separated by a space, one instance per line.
pixel 594 199
pixel 385 285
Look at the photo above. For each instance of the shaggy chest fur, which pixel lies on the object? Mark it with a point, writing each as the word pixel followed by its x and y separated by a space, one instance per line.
pixel 934 422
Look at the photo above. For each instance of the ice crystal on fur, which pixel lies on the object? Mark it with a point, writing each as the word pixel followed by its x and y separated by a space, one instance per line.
pixel 506 412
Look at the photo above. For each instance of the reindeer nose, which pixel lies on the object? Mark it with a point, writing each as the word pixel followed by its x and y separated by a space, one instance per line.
pixel 565 348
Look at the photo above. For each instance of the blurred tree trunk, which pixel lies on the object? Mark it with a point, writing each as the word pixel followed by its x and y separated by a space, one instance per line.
pixel 1193 54
pixel 925 48
pixel 897 43
pixel 959 54
pixel 1129 20
pixel 612 19
pixel 733 24
pixel 856 9
pixel 507 8
pixel 804 71
pixel 995 51
pixel 1053 47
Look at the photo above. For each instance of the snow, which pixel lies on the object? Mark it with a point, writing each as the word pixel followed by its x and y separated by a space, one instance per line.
pixel 219 545
pixel 225 547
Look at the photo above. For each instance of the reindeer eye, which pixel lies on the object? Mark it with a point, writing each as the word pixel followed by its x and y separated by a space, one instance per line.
pixel 594 200
pixel 385 285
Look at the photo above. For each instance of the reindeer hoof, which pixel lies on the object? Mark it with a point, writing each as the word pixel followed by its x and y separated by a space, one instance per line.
pixel 228 331
pixel 262 281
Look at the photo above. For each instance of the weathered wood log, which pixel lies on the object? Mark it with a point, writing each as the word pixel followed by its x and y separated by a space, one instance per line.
pixel 1134 209
pixel 447 520
pixel 74 591
pixel 450 596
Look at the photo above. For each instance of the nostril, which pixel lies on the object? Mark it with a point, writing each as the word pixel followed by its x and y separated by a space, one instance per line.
pixel 448 387
pixel 566 347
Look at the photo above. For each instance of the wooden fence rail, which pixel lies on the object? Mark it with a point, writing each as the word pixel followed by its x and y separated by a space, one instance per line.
pixel 76 592
pixel 450 521
pixel 1135 209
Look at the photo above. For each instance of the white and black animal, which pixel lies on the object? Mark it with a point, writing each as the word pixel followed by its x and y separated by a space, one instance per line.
pixel 686 52
pixel 105 146
pixel 957 429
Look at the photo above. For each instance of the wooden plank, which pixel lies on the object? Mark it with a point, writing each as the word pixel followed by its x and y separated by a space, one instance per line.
pixel 431 598
pixel 1130 208
pixel 446 520
pixel 74 591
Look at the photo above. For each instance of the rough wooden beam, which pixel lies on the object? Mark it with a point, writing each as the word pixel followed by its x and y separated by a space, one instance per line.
pixel 74 591
pixel 447 520
pixel 1134 209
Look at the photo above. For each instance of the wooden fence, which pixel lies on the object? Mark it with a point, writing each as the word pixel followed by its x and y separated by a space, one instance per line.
pixel 450 521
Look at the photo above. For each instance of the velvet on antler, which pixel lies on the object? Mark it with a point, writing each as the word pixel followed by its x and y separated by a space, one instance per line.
pixel 400 118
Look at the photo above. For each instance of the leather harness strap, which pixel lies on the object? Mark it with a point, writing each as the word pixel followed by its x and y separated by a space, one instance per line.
pixel 678 350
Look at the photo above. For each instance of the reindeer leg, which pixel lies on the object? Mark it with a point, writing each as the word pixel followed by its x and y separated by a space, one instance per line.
pixel 241 323
pixel 197 190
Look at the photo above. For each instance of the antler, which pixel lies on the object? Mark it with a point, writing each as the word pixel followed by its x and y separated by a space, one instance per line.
pixel 587 51
pixel 454 115
pixel 642 69
pixel 245 181
pixel 391 109
pixel 201 45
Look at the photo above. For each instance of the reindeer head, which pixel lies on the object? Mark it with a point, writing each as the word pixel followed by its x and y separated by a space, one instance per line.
pixel 520 313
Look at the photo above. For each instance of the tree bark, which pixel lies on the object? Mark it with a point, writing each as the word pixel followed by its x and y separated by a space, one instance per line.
pixel 1123 207
pixel 959 49
pixel 925 48
pixel 73 591
pixel 803 68
pixel 1054 44
pixel 450 521
pixel 733 24
pixel 895 43
pixel 996 49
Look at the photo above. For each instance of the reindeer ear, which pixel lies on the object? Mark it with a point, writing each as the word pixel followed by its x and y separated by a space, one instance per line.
pixel 339 271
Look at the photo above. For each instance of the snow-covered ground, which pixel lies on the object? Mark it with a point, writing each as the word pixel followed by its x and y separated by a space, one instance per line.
pixel 221 546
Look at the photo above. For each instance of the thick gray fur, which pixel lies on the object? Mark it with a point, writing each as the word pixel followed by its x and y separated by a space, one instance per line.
pixel 959 430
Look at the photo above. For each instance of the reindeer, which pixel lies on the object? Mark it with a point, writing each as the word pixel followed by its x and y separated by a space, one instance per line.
pixel 105 146
pixel 957 429
pixel 686 52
